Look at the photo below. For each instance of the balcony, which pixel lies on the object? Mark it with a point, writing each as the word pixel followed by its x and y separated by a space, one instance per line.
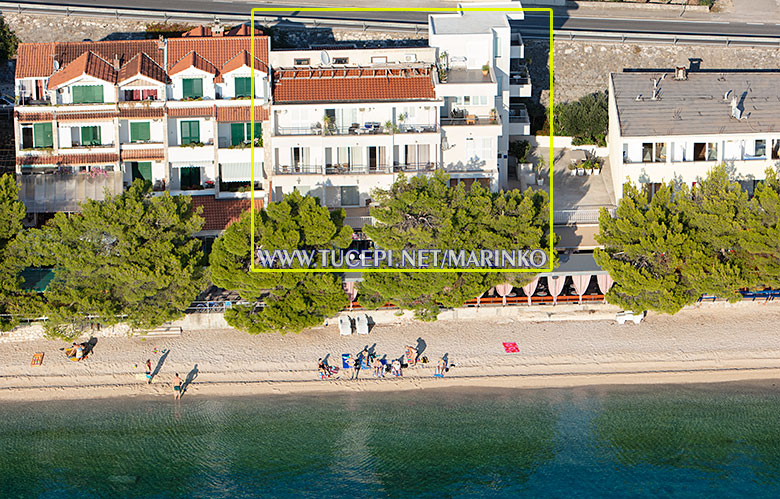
pixel 460 76
pixel 519 121
pixel 48 193
pixel 470 119
pixel 517 48
pixel 426 166
pixel 356 169
pixel 298 170
pixel 371 128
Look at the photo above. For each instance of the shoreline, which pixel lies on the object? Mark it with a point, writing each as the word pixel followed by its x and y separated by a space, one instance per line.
pixel 706 345
pixel 680 375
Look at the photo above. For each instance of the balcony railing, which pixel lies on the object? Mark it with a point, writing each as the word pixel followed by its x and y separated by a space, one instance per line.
pixel 353 169
pixel 425 166
pixel 471 119
pixel 371 128
pixel 298 169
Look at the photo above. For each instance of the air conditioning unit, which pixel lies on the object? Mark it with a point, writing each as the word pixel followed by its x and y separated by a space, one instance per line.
pixel 410 57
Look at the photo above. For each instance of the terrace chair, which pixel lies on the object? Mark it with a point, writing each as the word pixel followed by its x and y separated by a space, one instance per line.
pixel 345 325
pixel 361 324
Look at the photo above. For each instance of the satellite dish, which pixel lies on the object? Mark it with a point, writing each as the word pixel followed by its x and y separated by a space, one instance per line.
pixel 324 58
pixel 56 65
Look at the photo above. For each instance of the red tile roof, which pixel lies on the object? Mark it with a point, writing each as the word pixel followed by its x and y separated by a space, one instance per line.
pixel 235 113
pixel 68 159
pixel 217 51
pixel 240 60
pixel 141 112
pixel 183 112
pixel 34 60
pixel 203 31
pixel 198 31
pixel 94 116
pixel 242 30
pixel 352 85
pixel 144 65
pixel 218 214
pixel 34 117
pixel 88 158
pixel 192 59
pixel 88 63
pixel 134 154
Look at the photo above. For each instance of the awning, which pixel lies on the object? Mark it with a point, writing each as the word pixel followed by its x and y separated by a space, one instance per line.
pixel 191 164
pixel 240 172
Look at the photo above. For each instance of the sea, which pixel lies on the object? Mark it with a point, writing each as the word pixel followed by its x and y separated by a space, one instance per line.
pixel 710 440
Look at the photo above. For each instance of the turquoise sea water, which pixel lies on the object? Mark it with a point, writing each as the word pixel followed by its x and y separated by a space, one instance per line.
pixel 661 441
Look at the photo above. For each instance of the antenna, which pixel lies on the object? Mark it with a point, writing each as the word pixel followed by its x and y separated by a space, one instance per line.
pixel 726 96
pixel 736 112
pixel 656 93
pixel 324 58
pixel 638 97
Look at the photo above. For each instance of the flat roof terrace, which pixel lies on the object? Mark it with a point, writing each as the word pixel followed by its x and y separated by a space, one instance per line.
pixel 462 75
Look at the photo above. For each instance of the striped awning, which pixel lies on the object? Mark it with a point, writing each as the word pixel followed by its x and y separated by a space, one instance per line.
pixel 191 164
pixel 240 172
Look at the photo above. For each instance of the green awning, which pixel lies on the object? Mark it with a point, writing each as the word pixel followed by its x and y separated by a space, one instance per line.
pixel 36 279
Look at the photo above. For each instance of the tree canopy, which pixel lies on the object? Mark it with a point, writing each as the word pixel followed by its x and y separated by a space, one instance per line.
pixel 426 213
pixel 12 213
pixel 712 239
pixel 291 301
pixel 131 258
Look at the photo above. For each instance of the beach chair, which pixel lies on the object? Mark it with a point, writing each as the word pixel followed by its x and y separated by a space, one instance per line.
pixel 345 325
pixel 361 324
pixel 345 363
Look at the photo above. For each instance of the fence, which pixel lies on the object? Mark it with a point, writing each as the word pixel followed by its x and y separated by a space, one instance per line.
pixel 580 216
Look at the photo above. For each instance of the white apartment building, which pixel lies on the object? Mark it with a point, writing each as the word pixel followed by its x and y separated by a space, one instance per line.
pixel 468 43
pixel 175 112
pixel 677 125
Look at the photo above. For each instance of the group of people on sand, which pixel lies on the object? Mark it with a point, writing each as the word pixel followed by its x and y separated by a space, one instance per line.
pixel 77 352
pixel 379 365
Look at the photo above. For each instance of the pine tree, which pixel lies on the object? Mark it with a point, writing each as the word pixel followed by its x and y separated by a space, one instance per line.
pixel 12 213
pixel 291 301
pixel 760 239
pixel 131 258
pixel 426 213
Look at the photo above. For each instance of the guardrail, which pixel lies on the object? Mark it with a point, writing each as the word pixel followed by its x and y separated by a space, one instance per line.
pixel 579 216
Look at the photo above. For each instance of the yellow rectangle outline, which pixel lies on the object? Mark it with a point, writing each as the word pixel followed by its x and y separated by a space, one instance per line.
pixel 392 9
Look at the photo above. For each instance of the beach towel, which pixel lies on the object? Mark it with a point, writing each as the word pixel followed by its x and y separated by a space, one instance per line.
pixel 345 363
pixel 511 347
pixel 37 359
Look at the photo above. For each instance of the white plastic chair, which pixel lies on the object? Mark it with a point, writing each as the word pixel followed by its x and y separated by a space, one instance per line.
pixel 345 325
pixel 361 324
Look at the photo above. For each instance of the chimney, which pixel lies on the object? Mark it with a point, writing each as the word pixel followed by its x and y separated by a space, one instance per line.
pixel 680 73
pixel 161 43
pixel 217 30
pixel 116 62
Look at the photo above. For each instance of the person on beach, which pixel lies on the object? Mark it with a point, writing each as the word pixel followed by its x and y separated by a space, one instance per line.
pixel 396 368
pixel 176 387
pixel 411 355
pixel 378 368
pixel 79 352
pixel 355 366
pixel 322 367
pixel 350 363
pixel 148 371
pixel 441 366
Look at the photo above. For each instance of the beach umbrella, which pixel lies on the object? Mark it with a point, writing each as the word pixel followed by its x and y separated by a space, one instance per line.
pixel 530 288
pixel 351 290
pixel 605 282
pixel 503 290
pixel 580 284
pixel 555 284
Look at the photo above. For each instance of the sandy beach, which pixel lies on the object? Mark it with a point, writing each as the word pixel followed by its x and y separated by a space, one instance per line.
pixel 709 344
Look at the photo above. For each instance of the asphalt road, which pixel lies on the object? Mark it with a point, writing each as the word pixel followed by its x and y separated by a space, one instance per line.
pixel 534 24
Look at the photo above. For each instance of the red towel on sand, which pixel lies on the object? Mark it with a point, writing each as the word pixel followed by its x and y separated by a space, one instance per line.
pixel 511 348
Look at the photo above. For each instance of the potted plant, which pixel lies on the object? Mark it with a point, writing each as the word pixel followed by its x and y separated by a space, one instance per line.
pixel 327 122
pixel 573 169
pixel 493 116
pixel 485 69
pixel 390 127
pixel 596 168
pixel 540 164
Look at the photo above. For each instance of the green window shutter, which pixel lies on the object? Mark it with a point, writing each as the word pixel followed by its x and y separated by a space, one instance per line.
pixel 236 133
pixel 189 177
pixel 97 94
pixel 258 130
pixel 78 95
pixel 243 87
pixel 90 135
pixel 142 170
pixel 192 87
pixel 139 132
pixel 42 135
pixel 190 132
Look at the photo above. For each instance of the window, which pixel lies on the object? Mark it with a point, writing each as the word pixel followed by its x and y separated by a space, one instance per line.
pixel 660 152
pixel 90 136
pixel 302 62
pixel 87 94
pixel 712 151
pixel 139 131
pixel 497 47
pixel 699 151
pixel 142 170
pixel 190 132
pixel 647 152
pixel 139 95
pixel 192 88
pixel 379 60
pixel 760 150
pixel 189 177
pixel 341 60
pixel 350 196
pixel 241 132
pixel 42 135
pixel 775 149
pixel 243 87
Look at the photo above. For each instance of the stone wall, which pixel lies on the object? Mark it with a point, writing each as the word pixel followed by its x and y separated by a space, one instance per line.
pixel 581 68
